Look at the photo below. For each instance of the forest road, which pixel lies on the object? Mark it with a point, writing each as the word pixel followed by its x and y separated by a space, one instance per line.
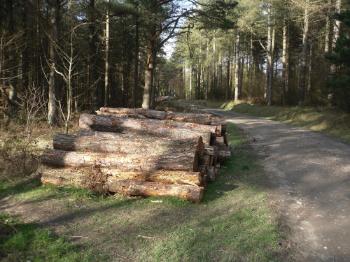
pixel 309 180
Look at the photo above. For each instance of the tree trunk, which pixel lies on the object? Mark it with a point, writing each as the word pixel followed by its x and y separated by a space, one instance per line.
pixel 285 62
pixel 241 77
pixel 107 33
pixel 328 28
pixel 80 176
pixel 228 77
pixel 270 56
pixel 184 161
pixel 52 116
pixel 303 55
pixel 237 68
pixel 136 61
pixel 251 68
pixel 92 58
pixel 337 24
pixel 149 72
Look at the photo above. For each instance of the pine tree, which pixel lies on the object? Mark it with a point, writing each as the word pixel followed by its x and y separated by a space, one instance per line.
pixel 340 79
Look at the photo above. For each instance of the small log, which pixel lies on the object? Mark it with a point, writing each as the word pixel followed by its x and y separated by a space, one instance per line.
pixel 139 188
pixel 125 143
pixel 184 161
pixel 80 177
pixel 172 129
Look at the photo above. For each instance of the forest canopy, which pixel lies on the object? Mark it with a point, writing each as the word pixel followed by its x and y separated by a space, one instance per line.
pixel 63 56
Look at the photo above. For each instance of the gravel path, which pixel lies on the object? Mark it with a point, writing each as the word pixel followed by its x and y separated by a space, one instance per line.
pixel 310 179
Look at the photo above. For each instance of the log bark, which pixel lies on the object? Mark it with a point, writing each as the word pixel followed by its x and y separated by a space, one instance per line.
pixel 184 161
pixel 125 143
pixel 204 119
pixel 171 129
pixel 139 188
pixel 80 177
pixel 192 193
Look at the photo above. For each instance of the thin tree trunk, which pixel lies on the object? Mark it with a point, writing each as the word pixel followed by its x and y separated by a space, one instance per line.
pixel 251 68
pixel 328 28
pixel 190 69
pixel 146 102
pixel 92 58
pixel 285 62
pixel 309 79
pixel 270 55
pixel 107 33
pixel 228 72
pixel 337 24
pixel 52 103
pixel 304 53
pixel 237 69
pixel 136 60
pixel 336 32
pixel 241 77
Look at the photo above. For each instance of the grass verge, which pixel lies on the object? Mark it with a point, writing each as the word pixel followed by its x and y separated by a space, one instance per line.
pixel 233 223
pixel 28 242
pixel 325 120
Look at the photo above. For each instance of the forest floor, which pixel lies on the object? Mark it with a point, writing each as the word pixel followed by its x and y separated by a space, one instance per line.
pixel 319 119
pixel 309 174
pixel 235 221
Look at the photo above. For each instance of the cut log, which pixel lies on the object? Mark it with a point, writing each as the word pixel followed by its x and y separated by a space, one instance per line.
pixel 184 161
pixel 192 193
pixel 125 143
pixel 172 129
pixel 139 188
pixel 133 112
pixel 203 118
pixel 80 177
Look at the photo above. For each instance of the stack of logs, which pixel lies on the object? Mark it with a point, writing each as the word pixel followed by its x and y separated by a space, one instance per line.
pixel 139 152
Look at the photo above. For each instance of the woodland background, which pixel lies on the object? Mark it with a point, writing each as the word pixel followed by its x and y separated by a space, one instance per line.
pixel 63 56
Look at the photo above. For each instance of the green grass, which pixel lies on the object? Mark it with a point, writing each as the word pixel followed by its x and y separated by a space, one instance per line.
pixel 28 242
pixel 233 223
pixel 325 120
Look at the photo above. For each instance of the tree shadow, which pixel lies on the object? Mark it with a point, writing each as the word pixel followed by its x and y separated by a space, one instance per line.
pixel 21 186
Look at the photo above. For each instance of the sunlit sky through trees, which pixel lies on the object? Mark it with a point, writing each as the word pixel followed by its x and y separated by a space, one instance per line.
pixel 170 45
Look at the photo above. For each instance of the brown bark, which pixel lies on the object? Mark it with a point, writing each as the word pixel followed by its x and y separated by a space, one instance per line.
pixel 125 143
pixel 147 126
pixel 52 115
pixel 192 193
pixel 139 188
pixel 203 119
pixel 81 177
pixel 184 161
pixel 148 113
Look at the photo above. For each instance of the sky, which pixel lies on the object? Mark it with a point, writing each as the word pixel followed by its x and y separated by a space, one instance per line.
pixel 169 47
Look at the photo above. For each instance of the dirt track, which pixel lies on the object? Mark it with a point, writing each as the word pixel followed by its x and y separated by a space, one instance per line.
pixel 309 176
